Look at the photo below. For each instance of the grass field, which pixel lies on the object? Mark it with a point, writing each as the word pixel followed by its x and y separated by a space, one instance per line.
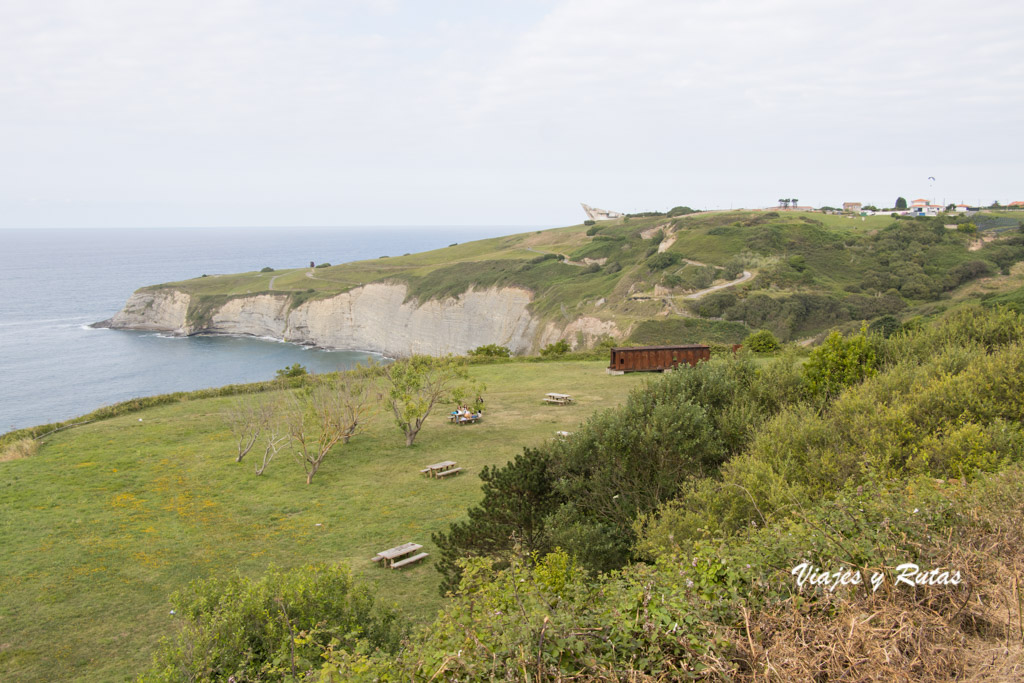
pixel 110 518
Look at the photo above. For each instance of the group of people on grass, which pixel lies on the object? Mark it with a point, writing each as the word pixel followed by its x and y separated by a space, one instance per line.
pixel 464 414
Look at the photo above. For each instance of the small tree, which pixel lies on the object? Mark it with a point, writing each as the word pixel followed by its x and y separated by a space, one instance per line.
pixel 762 341
pixel 324 414
pixel 276 436
pixel 901 204
pixel 839 363
pixel 293 370
pixel 416 384
pixel 248 417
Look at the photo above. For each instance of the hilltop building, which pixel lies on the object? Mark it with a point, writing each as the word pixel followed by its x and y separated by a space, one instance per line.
pixel 600 214
pixel 852 207
pixel 924 207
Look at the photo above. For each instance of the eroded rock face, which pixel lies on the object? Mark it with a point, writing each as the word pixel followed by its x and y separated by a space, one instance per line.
pixel 164 310
pixel 374 317
pixel 265 315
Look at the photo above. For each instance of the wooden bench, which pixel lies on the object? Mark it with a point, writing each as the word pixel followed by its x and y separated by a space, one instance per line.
pixel 558 399
pixel 391 554
pixel 409 560
pixel 445 473
pixel 466 420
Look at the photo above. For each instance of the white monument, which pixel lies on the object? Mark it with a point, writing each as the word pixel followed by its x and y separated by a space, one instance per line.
pixel 600 214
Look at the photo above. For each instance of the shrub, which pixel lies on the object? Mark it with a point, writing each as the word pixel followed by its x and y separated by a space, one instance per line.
pixel 491 351
pixel 589 222
pixel 680 211
pixel 886 326
pixel 294 370
pixel 323 265
pixel 266 269
pixel 839 363
pixel 762 341
pixel 662 260
pixel 558 348
pixel 592 268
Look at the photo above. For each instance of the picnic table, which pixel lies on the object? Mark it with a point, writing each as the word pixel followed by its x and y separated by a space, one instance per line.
pixel 397 557
pixel 558 399
pixel 460 418
pixel 441 469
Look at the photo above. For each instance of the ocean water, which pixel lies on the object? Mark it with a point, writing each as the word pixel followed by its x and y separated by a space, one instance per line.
pixel 54 283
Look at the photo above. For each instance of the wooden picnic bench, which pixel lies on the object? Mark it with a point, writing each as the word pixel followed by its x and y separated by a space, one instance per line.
pixel 391 555
pixel 440 469
pixel 459 418
pixel 558 399
pixel 445 473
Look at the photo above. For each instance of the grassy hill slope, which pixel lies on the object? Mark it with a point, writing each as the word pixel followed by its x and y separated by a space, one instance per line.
pixel 811 272
pixel 109 518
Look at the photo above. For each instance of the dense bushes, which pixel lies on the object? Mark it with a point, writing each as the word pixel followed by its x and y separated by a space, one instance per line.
pixel 274 628
pixel 731 609
pixel 625 462
pixel 490 351
pixel 662 260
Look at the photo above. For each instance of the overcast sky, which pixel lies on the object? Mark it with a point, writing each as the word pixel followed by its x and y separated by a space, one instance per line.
pixel 347 112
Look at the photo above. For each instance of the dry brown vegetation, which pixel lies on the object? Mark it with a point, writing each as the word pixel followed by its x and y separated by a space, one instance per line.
pixel 24 448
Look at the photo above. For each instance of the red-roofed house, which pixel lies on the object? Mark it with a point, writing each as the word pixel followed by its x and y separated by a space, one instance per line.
pixel 1016 204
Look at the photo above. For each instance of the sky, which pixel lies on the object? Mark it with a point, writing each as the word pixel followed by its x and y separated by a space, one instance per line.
pixel 141 113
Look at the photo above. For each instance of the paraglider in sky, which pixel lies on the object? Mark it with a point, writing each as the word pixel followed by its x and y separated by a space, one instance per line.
pixel 932 179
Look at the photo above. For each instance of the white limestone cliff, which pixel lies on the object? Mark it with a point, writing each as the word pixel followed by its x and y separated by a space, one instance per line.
pixel 374 317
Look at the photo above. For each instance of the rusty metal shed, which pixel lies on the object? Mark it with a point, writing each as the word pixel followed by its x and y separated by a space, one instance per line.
pixel 656 358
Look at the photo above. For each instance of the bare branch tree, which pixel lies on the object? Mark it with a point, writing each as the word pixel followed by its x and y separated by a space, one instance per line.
pixel 276 436
pixel 325 413
pixel 248 416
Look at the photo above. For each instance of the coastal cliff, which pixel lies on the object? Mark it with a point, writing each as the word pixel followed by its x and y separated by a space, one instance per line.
pixel 374 317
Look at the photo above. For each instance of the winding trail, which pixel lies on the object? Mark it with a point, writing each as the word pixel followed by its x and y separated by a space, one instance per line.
pixel 743 278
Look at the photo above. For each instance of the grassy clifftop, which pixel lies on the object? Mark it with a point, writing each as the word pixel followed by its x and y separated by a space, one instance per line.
pixel 808 272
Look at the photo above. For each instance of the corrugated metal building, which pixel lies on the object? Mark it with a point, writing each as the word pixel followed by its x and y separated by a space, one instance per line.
pixel 656 358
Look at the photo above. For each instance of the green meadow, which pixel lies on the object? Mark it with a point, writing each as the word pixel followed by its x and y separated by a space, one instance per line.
pixel 108 519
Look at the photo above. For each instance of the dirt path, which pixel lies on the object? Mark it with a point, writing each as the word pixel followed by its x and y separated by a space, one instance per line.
pixel 270 286
pixel 743 278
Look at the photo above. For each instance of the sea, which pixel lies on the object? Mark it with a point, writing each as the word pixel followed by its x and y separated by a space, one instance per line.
pixel 55 282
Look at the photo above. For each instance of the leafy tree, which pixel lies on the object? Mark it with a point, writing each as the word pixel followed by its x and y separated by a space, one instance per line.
pixel 416 384
pixel 266 269
pixel 901 204
pixel 969 228
pixel 273 628
pixel 839 363
pixel 680 211
pixel 762 341
pixel 516 500
pixel 293 370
